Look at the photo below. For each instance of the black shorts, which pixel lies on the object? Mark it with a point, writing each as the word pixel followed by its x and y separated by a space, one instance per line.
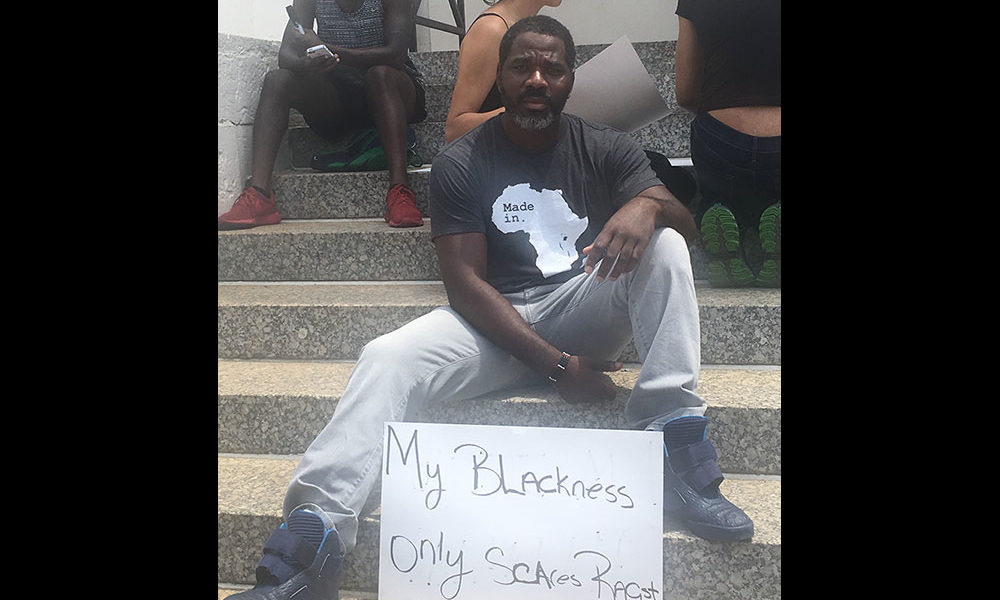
pixel 350 84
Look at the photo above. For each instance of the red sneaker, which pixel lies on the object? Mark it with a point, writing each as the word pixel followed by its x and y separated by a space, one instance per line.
pixel 250 210
pixel 400 208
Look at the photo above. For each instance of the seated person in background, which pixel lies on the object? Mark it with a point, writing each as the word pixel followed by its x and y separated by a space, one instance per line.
pixel 367 80
pixel 729 74
pixel 475 98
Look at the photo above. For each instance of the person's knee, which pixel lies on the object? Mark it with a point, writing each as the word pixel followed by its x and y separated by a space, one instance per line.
pixel 380 79
pixel 278 82
pixel 384 351
pixel 669 248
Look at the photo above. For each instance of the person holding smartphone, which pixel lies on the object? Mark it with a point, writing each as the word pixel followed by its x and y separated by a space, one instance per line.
pixel 353 71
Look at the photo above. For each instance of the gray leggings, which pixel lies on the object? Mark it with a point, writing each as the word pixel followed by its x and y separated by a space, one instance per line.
pixel 440 355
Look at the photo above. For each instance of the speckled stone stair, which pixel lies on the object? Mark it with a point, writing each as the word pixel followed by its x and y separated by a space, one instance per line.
pixel 335 320
pixel 227 590
pixel 251 490
pixel 301 395
pixel 362 249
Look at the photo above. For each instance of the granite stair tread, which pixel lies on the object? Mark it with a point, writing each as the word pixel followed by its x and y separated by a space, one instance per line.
pixel 316 250
pixel 354 249
pixel 255 486
pixel 426 293
pixel 334 320
pixel 226 591
pixel 251 491
pixel 309 194
pixel 668 136
pixel 278 407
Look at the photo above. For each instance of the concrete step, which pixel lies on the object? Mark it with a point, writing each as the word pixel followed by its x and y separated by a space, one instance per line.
pixel 669 136
pixel 335 320
pixel 278 407
pixel 251 491
pixel 227 590
pixel 342 250
pixel 307 194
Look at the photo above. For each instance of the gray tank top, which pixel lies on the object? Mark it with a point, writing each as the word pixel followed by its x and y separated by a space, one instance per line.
pixel 362 28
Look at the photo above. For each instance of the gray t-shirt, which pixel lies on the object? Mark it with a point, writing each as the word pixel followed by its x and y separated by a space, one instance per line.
pixel 538 210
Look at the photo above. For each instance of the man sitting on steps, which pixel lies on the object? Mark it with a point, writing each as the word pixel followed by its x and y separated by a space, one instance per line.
pixel 557 246
pixel 366 79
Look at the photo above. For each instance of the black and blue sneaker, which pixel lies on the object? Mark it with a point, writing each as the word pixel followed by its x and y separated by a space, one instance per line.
pixel 364 153
pixel 691 480
pixel 302 559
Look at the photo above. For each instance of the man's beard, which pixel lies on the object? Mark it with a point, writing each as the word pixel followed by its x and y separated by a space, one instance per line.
pixel 532 121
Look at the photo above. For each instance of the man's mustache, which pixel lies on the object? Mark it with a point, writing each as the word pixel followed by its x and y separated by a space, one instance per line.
pixel 536 93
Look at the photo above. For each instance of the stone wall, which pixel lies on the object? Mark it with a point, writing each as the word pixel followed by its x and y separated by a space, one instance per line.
pixel 243 62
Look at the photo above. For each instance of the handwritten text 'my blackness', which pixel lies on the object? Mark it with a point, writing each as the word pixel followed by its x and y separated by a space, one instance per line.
pixel 487 475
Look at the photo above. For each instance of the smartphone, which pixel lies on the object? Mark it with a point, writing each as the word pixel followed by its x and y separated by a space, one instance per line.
pixel 319 51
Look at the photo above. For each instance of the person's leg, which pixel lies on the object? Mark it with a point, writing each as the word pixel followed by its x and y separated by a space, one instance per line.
pixel 315 97
pixel 282 90
pixel 434 356
pixel 722 165
pixel 437 355
pixel 655 303
pixel 393 99
pixel 767 183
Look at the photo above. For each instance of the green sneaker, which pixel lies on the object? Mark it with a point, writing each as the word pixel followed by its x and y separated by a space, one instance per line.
pixel 770 241
pixel 720 235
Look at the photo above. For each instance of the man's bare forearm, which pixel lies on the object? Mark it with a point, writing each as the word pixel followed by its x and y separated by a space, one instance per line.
pixel 670 212
pixel 462 258
pixel 492 315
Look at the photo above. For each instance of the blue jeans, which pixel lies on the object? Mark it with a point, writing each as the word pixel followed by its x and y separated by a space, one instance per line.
pixel 741 171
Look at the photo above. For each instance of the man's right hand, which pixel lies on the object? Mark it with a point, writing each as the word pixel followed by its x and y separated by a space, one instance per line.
pixel 585 381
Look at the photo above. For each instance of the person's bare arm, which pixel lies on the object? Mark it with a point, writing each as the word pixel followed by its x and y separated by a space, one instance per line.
pixel 687 65
pixel 292 53
pixel 462 258
pixel 477 71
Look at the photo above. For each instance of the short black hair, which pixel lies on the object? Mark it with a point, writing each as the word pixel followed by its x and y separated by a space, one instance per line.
pixel 544 25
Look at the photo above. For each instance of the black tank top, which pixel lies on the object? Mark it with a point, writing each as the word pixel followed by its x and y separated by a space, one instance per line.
pixel 493 100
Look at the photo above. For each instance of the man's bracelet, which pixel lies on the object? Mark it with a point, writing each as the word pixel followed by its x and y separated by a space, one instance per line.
pixel 560 368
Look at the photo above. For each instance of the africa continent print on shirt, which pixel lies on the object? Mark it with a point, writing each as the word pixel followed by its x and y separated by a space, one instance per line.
pixel 545 216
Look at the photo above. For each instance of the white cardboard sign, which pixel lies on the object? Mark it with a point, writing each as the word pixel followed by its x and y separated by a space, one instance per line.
pixel 494 513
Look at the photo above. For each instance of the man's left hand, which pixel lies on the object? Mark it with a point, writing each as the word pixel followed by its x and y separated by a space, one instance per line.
pixel 623 239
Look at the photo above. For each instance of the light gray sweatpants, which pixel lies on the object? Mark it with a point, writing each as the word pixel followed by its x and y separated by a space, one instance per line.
pixel 440 355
